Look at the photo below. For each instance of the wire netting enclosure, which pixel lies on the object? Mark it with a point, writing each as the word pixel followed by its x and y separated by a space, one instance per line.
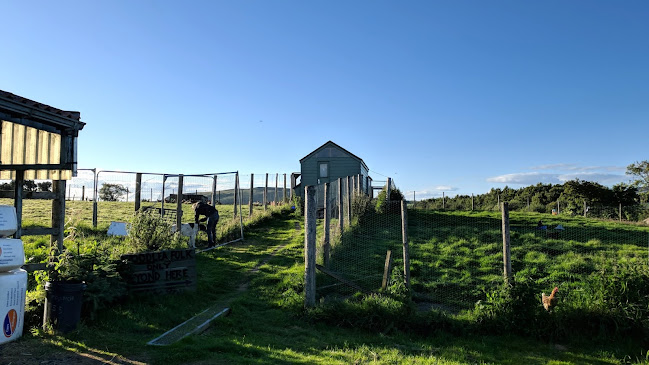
pixel 457 257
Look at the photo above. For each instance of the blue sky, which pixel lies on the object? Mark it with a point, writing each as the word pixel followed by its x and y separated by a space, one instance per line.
pixel 453 96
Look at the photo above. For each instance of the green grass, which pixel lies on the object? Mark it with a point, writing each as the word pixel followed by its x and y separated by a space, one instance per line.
pixel 268 325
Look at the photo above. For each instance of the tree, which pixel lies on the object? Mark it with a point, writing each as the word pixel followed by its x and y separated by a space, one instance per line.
pixel 641 171
pixel 111 192
pixel 45 186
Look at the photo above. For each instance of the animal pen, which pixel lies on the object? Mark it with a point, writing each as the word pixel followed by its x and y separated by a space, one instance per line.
pixel 450 260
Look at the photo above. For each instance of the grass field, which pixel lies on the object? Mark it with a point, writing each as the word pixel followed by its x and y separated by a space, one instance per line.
pixel 261 279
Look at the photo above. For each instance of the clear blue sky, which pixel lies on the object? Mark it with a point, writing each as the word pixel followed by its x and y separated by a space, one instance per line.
pixel 454 96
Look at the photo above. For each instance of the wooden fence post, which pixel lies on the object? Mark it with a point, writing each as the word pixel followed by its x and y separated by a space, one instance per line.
pixel 95 197
pixel 472 204
pixel 276 187
pixel 266 192
pixel 620 212
pixel 18 202
pixel 327 224
pixel 236 194
pixel 507 263
pixel 83 193
pixel 179 203
pixel 284 191
pixel 58 213
pixel 138 190
pixel 341 211
pixel 214 180
pixel 585 208
pixel 387 190
pixel 349 201
pixel 309 246
pixel 406 248
pixel 252 196
pixel 387 269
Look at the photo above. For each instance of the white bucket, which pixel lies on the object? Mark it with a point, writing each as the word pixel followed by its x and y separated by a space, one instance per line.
pixel 12 254
pixel 8 222
pixel 13 289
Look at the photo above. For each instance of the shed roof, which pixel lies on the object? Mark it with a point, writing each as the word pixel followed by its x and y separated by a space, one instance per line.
pixel 330 143
pixel 19 107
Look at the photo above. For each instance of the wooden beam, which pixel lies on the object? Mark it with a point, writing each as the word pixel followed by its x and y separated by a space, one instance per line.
pixel 341 279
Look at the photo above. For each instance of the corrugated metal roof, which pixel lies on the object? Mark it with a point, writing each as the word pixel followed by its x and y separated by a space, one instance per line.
pixel 40 106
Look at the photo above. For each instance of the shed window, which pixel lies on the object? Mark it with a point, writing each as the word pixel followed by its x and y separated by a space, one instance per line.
pixel 324 169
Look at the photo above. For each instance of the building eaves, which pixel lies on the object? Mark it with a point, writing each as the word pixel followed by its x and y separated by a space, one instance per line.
pixel 337 146
pixel 30 109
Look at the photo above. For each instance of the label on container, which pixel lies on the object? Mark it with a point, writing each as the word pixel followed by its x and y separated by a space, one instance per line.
pixel 12 254
pixel 13 289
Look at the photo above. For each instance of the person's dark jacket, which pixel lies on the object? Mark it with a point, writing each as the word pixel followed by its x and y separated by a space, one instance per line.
pixel 203 209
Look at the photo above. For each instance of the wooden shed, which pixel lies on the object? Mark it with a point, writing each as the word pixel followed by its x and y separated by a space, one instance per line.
pixel 38 142
pixel 328 163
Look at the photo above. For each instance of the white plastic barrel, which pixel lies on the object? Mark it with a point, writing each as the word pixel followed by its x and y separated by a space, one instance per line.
pixel 12 254
pixel 8 222
pixel 13 289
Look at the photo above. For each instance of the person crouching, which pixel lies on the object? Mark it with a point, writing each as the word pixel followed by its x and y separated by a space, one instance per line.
pixel 212 218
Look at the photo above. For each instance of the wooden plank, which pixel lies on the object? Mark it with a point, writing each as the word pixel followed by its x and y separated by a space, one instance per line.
pixel 341 279
pixel 327 225
pixel 38 231
pixel 18 202
pixel 40 195
pixel 160 271
pixel 138 190
pixel 58 214
pixel 35 267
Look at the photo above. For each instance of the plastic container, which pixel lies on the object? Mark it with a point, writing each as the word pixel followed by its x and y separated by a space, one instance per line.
pixel 63 301
pixel 8 222
pixel 13 289
pixel 12 254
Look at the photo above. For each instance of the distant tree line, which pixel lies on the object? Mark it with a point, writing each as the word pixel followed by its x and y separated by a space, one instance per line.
pixel 28 185
pixel 575 197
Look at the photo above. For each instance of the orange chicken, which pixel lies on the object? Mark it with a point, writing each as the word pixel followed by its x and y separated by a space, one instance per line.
pixel 550 301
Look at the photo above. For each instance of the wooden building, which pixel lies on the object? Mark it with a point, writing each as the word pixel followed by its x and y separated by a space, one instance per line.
pixel 326 164
pixel 38 142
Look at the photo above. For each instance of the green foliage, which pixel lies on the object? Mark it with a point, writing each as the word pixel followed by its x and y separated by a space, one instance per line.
pixel 150 232
pixel 111 192
pixel 392 206
pixel 298 203
pixel 361 205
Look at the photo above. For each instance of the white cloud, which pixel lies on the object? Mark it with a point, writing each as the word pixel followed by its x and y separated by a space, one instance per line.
pixel 525 178
pixel 560 173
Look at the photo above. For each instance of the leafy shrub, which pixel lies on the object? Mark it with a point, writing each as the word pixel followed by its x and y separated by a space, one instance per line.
pixel 150 232
pixel 298 203
pixel 361 204
pixel 382 205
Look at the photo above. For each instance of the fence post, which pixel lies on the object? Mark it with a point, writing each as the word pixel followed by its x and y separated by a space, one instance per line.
pixel 507 263
pixel 443 201
pixel 327 223
pixel 406 249
pixel 358 182
pixel 276 184
pixel 472 204
pixel 387 190
pixel 341 211
pixel 266 192
pixel 284 191
pixel 58 213
pixel 214 178
pixel 18 202
pixel 94 198
pixel 252 189
pixel 83 193
pixel 349 201
pixel 236 194
pixel 179 203
pixel 138 190
pixel 309 246
pixel 585 208
pixel 620 212
pixel 387 269
pixel 558 207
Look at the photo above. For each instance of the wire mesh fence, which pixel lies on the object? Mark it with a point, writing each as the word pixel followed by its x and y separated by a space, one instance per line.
pixel 456 258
